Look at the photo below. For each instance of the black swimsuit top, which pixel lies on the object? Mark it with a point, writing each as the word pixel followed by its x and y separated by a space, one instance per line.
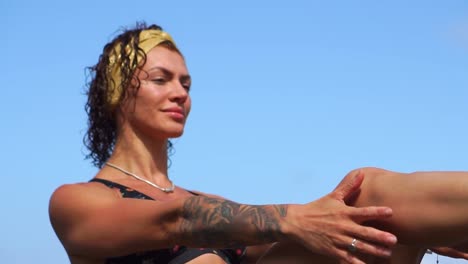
pixel 175 255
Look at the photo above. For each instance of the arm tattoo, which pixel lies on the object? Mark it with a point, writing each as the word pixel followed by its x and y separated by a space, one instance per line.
pixel 215 222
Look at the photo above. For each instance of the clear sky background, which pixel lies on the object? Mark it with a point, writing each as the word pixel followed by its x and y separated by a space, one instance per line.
pixel 288 96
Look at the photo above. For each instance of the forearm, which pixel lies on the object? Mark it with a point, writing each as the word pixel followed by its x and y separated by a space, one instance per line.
pixel 140 225
pixel 213 222
pixel 324 226
pixel 428 207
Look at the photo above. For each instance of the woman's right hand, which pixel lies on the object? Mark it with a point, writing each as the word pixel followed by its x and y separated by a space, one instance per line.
pixel 328 226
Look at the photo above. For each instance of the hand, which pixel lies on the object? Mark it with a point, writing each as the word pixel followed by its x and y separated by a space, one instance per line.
pixel 328 226
pixel 452 252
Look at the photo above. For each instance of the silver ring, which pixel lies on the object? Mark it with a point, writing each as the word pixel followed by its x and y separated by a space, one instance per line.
pixel 353 247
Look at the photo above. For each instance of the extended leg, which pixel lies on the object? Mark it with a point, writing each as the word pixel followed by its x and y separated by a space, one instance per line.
pixel 429 208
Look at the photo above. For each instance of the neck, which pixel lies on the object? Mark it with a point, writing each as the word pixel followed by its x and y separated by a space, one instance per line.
pixel 146 157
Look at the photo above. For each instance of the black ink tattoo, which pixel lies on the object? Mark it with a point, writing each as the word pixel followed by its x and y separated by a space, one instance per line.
pixel 215 222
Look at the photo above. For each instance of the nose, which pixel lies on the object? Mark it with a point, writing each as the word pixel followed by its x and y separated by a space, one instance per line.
pixel 179 93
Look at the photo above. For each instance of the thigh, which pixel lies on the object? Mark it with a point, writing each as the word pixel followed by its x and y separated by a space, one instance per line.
pixel 429 208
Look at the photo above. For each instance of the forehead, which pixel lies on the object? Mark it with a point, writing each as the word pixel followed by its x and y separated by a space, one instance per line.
pixel 163 57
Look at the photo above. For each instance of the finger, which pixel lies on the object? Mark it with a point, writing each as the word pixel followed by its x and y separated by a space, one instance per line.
pixel 373 235
pixel 370 213
pixel 347 257
pixel 362 246
pixel 463 255
pixel 450 252
pixel 457 254
pixel 349 185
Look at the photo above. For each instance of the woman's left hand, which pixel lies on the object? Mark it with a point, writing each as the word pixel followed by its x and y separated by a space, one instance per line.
pixel 453 252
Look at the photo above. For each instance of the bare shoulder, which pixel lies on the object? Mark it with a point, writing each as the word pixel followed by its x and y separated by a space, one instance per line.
pixel 69 195
pixel 70 203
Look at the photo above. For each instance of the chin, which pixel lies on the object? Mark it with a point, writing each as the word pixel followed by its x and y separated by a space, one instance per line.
pixel 175 134
pixel 167 131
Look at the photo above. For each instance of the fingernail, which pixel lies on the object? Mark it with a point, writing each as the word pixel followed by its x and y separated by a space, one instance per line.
pixel 387 252
pixel 392 239
pixel 388 211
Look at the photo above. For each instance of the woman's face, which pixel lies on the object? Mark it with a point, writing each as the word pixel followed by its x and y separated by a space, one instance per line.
pixel 162 104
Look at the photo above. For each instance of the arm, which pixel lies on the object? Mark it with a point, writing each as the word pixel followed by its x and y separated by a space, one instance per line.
pixel 91 222
pixel 252 253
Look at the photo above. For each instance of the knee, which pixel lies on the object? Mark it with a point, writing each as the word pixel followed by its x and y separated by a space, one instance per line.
pixel 370 171
pixel 373 187
pixel 371 175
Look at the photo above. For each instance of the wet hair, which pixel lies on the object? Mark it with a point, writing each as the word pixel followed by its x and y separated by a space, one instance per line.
pixel 102 128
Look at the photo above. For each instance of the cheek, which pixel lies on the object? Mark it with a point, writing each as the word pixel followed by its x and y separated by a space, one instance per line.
pixel 150 99
pixel 188 105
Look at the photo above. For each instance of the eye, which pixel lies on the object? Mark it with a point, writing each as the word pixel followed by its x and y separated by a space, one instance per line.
pixel 186 86
pixel 158 80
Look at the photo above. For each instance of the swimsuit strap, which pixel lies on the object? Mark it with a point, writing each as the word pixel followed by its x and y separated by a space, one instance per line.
pixel 128 192
pixel 125 191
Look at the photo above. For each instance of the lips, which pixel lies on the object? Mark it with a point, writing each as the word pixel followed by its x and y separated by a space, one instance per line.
pixel 176 112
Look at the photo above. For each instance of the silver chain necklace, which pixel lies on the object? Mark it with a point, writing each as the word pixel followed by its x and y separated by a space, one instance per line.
pixel 166 190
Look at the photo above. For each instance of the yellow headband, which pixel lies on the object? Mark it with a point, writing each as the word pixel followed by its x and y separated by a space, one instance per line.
pixel 149 39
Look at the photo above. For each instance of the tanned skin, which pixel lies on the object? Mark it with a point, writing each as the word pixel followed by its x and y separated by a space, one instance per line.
pixel 94 222
pixel 429 210
pixel 213 218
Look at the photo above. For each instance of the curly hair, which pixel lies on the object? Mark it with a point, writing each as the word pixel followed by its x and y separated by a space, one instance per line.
pixel 101 134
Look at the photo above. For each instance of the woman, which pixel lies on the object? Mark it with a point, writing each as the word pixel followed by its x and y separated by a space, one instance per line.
pixel 138 99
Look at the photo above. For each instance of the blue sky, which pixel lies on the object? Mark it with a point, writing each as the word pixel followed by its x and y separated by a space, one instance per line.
pixel 287 98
